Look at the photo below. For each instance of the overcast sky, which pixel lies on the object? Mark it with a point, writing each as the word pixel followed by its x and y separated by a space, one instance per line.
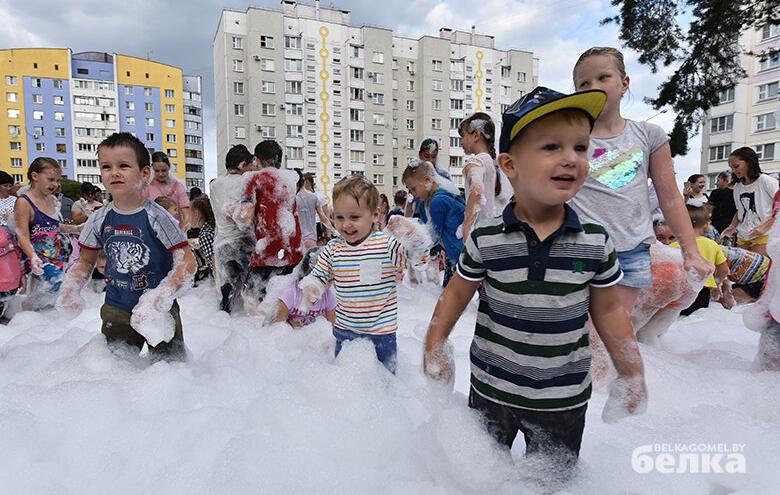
pixel 180 33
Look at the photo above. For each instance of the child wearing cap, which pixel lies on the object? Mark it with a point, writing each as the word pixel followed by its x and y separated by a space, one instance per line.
pixel 542 272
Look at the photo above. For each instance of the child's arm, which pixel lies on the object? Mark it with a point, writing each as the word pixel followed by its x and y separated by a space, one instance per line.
pixel 475 172
pixel 70 301
pixel 614 327
pixel 282 311
pixel 721 272
pixel 331 316
pixel 315 283
pixel 22 215
pixel 436 363
pixel 673 208
pixel 762 229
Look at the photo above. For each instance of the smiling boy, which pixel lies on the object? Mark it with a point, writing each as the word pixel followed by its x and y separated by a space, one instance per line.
pixel 143 244
pixel 542 272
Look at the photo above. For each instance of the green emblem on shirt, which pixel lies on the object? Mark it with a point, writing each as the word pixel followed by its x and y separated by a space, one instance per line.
pixel 578 267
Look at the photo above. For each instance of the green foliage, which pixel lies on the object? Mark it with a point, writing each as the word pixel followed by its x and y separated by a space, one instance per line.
pixel 707 51
pixel 71 188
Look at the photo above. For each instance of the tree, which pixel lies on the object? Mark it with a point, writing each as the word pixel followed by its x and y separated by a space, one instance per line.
pixel 71 188
pixel 707 52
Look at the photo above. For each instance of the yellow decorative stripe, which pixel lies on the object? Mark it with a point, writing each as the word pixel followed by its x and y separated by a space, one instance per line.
pixel 324 116
pixel 478 91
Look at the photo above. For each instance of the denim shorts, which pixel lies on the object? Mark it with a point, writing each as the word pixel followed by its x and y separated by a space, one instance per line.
pixel 635 264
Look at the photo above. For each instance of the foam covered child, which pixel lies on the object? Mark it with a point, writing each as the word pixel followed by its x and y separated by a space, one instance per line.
pixel 290 299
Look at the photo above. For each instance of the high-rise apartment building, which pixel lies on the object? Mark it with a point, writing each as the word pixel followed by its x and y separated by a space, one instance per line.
pixel 61 105
pixel 343 99
pixel 749 113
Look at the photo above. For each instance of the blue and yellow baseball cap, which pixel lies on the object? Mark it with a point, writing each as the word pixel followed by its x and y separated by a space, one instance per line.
pixel 542 101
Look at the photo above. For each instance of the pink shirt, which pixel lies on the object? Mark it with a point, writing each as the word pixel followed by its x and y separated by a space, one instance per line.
pixel 292 296
pixel 173 189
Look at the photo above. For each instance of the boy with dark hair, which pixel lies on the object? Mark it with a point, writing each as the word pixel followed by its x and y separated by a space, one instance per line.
pixel 232 244
pixel 399 201
pixel 269 207
pixel 542 272
pixel 148 260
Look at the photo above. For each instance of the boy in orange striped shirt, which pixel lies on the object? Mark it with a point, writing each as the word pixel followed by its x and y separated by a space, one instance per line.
pixel 364 265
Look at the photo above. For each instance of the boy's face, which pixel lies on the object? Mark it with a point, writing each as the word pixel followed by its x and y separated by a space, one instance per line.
pixel 549 161
pixel 353 220
pixel 120 173
pixel 664 234
pixel 420 188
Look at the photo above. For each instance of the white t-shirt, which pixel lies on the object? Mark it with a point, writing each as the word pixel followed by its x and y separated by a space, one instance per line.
pixel 484 169
pixel 754 203
pixel 226 193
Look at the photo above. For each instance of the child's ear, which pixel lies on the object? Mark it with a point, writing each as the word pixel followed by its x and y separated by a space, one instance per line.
pixel 146 172
pixel 507 164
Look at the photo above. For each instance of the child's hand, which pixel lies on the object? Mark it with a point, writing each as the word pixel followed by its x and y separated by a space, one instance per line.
pixel 312 290
pixel 70 303
pixel 697 266
pixel 438 363
pixel 36 266
pixel 627 396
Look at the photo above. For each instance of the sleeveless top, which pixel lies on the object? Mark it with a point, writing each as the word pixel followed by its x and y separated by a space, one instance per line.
pixel 51 245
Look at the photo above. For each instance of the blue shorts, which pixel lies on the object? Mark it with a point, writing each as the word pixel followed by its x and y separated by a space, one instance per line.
pixel 384 345
pixel 635 264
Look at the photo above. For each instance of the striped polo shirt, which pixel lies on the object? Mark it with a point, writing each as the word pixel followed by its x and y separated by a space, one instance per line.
pixel 530 347
pixel 364 277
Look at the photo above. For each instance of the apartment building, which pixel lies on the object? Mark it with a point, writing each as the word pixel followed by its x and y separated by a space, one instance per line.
pixel 62 104
pixel 344 99
pixel 749 113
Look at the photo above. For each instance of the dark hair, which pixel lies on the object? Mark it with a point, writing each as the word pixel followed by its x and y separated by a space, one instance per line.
pixel 202 205
pixel 87 188
pixel 237 155
pixel 749 156
pixel 269 153
pixel 126 139
pixel 725 175
pixel 160 157
pixel 695 177
pixel 309 177
pixel 6 178
pixel 301 180
pixel 40 164
pixel 474 123
pixel 428 144
pixel 399 198
pixel 195 192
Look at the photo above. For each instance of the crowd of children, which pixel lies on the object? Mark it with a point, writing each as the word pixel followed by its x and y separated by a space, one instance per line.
pixel 533 233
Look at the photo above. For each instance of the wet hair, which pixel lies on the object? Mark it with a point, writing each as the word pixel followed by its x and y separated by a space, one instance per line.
pixel 430 145
pixel 165 202
pixel 237 155
pixel 269 153
pixel 202 205
pixel 725 175
pixel 195 192
pixel 418 170
pixel 126 139
pixel 482 123
pixel 308 262
pixel 6 178
pixel 699 215
pixel 749 156
pixel 399 198
pixel 613 53
pixel 659 222
pixel 160 157
pixel 40 164
pixel 695 177
pixel 360 188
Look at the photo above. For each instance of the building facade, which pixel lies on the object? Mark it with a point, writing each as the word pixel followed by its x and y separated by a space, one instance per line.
pixel 343 99
pixel 61 105
pixel 749 113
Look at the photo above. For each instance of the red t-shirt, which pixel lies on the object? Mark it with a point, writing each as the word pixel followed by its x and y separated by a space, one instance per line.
pixel 277 230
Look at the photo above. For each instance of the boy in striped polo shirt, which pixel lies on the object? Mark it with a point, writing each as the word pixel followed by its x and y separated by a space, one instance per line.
pixel 365 265
pixel 542 272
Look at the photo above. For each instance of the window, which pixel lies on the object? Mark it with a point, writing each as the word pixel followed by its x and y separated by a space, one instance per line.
pixel 170 138
pixel 130 121
pixel 409 85
pixel 394 84
pixel 521 77
pixel 378 58
pixel 292 42
pixel 767 91
pixel 379 77
pixel 59 100
pixel 130 105
pixel 169 108
pixel 357 73
pixel 86 163
pixel 410 143
pixel 129 90
pixel 172 153
pixel 62 148
pixel 37 99
pixel 59 131
pixel 764 122
pixel 378 118
pixel 13 113
pixel 379 179
pixel 437 85
pixel 356 136
pixel 267 64
pixel 721 124
pixel 88 147
pixel 456 85
pixel 266 41
pixel 357 51
pixel 11 97
pixel 238 43
pixel 719 153
pixel 293 87
pixel 457 65
pixel 238 109
pixel 10 80
pixel 37 114
pixel 411 67
pixel 356 156
pixel 378 159
pixel 765 151
pixel 16 146
pixel 238 65
pixel 436 124
pixel 293 65
pixel 268 131
pixel 94 179
pixel 770 31
pixel 149 122
pixel 409 124
pixel 355 115
pixel 436 104
pixel 16 163
pixel 356 94
pixel 149 107
pixel 768 62
pixel 293 108
pixel 456 104
pixel 238 88
pixel 268 109
pixel 294 153
pixel 14 130
pixel 379 139
pixel 436 65
pixel 506 72
pixel 35 82
pixel 268 87
pixel 454 142
pixel 170 123
pixel 295 131
pixel 726 96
